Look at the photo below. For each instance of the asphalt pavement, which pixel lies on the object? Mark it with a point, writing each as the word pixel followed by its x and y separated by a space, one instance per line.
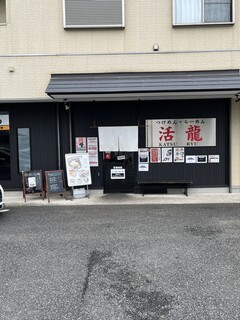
pixel 120 262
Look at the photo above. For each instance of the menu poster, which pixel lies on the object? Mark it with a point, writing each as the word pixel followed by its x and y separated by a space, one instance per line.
pixel 81 144
pixel 92 146
pixel 167 155
pixel 78 169
pixel 143 155
pixel 155 155
pixel 55 183
pixel 179 154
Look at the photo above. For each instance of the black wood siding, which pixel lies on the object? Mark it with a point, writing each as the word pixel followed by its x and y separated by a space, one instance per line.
pixel 118 113
pixel 41 119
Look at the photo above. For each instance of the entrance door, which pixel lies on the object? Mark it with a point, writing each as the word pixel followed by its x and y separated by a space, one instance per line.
pixel 119 172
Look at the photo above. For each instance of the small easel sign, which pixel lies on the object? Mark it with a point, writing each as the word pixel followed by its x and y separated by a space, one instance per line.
pixel 55 183
pixel 32 183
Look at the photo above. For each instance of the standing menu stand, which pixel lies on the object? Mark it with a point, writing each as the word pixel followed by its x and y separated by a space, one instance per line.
pixel 55 183
pixel 78 173
pixel 32 183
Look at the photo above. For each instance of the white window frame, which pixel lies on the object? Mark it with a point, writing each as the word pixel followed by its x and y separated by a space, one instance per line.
pixel 66 26
pixel 202 22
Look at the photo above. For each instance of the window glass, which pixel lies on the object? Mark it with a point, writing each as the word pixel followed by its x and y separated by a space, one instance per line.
pixel 217 11
pixel 202 11
pixel 24 152
pixel 2 11
pixel 5 171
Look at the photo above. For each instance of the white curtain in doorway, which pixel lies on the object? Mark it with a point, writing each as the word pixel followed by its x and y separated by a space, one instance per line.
pixel 118 138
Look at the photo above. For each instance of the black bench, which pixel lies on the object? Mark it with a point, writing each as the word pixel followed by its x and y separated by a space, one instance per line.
pixel 169 183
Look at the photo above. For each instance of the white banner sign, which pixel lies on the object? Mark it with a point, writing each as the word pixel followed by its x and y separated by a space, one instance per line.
pixel 181 132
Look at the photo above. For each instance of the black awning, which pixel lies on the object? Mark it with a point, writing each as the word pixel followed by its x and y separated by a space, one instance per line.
pixel 138 85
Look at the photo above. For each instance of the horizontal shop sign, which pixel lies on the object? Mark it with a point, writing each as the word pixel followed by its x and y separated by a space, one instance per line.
pixel 197 132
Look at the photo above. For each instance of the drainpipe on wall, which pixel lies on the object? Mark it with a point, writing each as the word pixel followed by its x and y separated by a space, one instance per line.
pixel 58 139
pixel 70 128
pixel 68 109
pixel 230 147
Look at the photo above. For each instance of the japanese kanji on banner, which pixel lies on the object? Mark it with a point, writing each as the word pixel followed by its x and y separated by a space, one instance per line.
pixel 181 132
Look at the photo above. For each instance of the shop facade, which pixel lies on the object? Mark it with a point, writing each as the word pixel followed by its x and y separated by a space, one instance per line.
pixel 65 77
pixel 55 131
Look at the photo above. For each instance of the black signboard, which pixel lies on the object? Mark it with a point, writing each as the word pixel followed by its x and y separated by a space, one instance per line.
pixel 55 182
pixel 32 183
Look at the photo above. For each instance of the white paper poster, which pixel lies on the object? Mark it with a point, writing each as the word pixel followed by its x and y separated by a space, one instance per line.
pixel 167 155
pixel 32 182
pixel 143 155
pixel 201 159
pixel 81 145
pixel 190 159
pixel 178 154
pixel 92 146
pixel 117 174
pixel 214 158
pixel 143 167
pixel 78 169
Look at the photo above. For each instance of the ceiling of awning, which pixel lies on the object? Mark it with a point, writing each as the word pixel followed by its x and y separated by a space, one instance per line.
pixel 144 85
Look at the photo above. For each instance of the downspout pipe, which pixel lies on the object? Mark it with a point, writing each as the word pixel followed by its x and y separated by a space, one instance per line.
pixel 58 138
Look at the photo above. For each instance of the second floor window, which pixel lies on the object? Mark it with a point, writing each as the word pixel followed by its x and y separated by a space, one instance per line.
pixel 190 12
pixel 93 13
pixel 3 12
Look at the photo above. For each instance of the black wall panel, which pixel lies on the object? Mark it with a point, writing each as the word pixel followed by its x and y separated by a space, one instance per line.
pixel 119 113
pixel 205 174
pixel 41 118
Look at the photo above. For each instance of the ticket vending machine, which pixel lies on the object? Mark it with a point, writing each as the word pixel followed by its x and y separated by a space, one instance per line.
pixel 119 172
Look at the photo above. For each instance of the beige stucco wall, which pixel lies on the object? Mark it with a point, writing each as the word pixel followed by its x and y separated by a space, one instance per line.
pixel 37 27
pixel 35 44
pixel 32 74
pixel 235 146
